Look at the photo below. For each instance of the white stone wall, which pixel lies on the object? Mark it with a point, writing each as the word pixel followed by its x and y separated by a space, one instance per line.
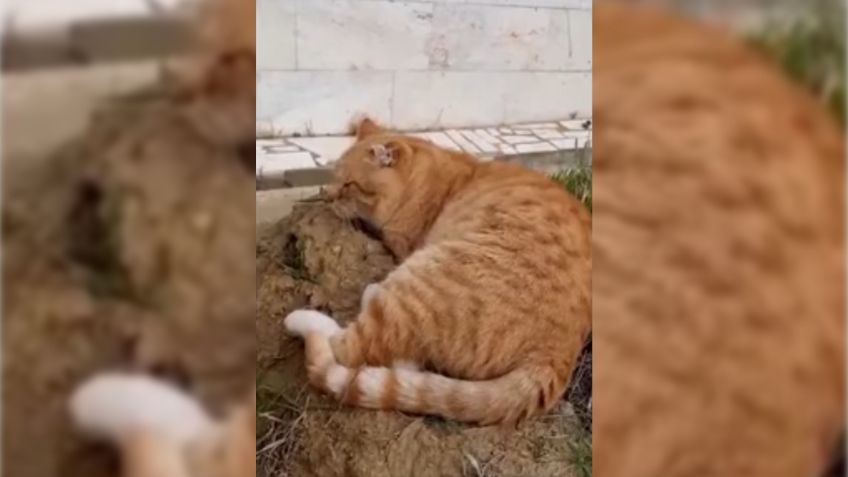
pixel 423 64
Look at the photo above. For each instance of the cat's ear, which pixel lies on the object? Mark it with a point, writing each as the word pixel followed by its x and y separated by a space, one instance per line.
pixel 390 153
pixel 382 155
pixel 365 127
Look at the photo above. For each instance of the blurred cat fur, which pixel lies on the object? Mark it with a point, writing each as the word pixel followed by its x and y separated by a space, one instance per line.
pixel 160 431
pixel 718 286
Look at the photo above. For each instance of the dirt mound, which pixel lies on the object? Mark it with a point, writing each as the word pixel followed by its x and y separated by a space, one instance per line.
pixel 130 249
pixel 313 259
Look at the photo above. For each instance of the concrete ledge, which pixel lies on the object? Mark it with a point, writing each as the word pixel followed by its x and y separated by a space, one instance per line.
pixel 296 178
pixel 273 205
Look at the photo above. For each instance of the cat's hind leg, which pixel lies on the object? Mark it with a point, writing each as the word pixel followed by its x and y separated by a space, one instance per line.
pixel 334 355
pixel 317 329
pixel 361 342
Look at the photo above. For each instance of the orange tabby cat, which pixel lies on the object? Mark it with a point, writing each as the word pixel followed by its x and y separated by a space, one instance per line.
pixel 492 296
pixel 718 232
pixel 162 432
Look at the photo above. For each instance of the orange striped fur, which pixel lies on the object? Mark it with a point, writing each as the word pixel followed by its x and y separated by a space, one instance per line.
pixel 485 316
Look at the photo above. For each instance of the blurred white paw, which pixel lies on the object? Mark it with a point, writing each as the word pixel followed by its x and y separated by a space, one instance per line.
pixel 301 322
pixel 113 405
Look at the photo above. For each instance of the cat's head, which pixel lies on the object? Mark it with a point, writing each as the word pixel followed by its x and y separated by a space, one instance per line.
pixel 387 179
pixel 371 176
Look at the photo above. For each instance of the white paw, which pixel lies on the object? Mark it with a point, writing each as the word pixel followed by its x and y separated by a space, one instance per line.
pixel 112 405
pixel 368 294
pixel 301 322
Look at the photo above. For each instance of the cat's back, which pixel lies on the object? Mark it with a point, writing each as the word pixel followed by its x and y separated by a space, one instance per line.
pixel 516 204
pixel 507 266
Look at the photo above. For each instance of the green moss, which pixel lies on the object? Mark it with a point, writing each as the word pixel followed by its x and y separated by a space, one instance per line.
pixel 578 182
pixel 93 241
pixel 293 258
pixel 581 455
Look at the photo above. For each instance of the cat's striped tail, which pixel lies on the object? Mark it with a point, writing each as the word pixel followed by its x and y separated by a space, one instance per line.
pixel 507 399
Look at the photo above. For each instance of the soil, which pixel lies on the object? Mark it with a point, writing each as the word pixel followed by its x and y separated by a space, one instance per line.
pixel 130 248
pixel 313 259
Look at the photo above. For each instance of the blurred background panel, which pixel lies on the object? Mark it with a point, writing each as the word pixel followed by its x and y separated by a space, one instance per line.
pixel 61 58
pixel 807 38
pixel 127 211
pixel 44 33
pixel 706 107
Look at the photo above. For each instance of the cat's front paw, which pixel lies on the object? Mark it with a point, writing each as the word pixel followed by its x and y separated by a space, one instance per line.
pixel 301 322
pixel 113 406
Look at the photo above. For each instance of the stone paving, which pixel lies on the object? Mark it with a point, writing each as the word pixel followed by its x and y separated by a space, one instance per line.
pixel 278 156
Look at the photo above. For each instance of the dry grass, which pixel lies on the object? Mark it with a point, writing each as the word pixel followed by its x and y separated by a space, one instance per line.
pixel 579 391
pixel 279 421
pixel 570 428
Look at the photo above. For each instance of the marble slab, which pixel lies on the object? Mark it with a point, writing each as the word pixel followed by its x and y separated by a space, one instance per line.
pixel 580 32
pixel 480 37
pixel 321 102
pixel 275 35
pixel 421 64
pixel 428 99
pixel 540 96
pixel 363 35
